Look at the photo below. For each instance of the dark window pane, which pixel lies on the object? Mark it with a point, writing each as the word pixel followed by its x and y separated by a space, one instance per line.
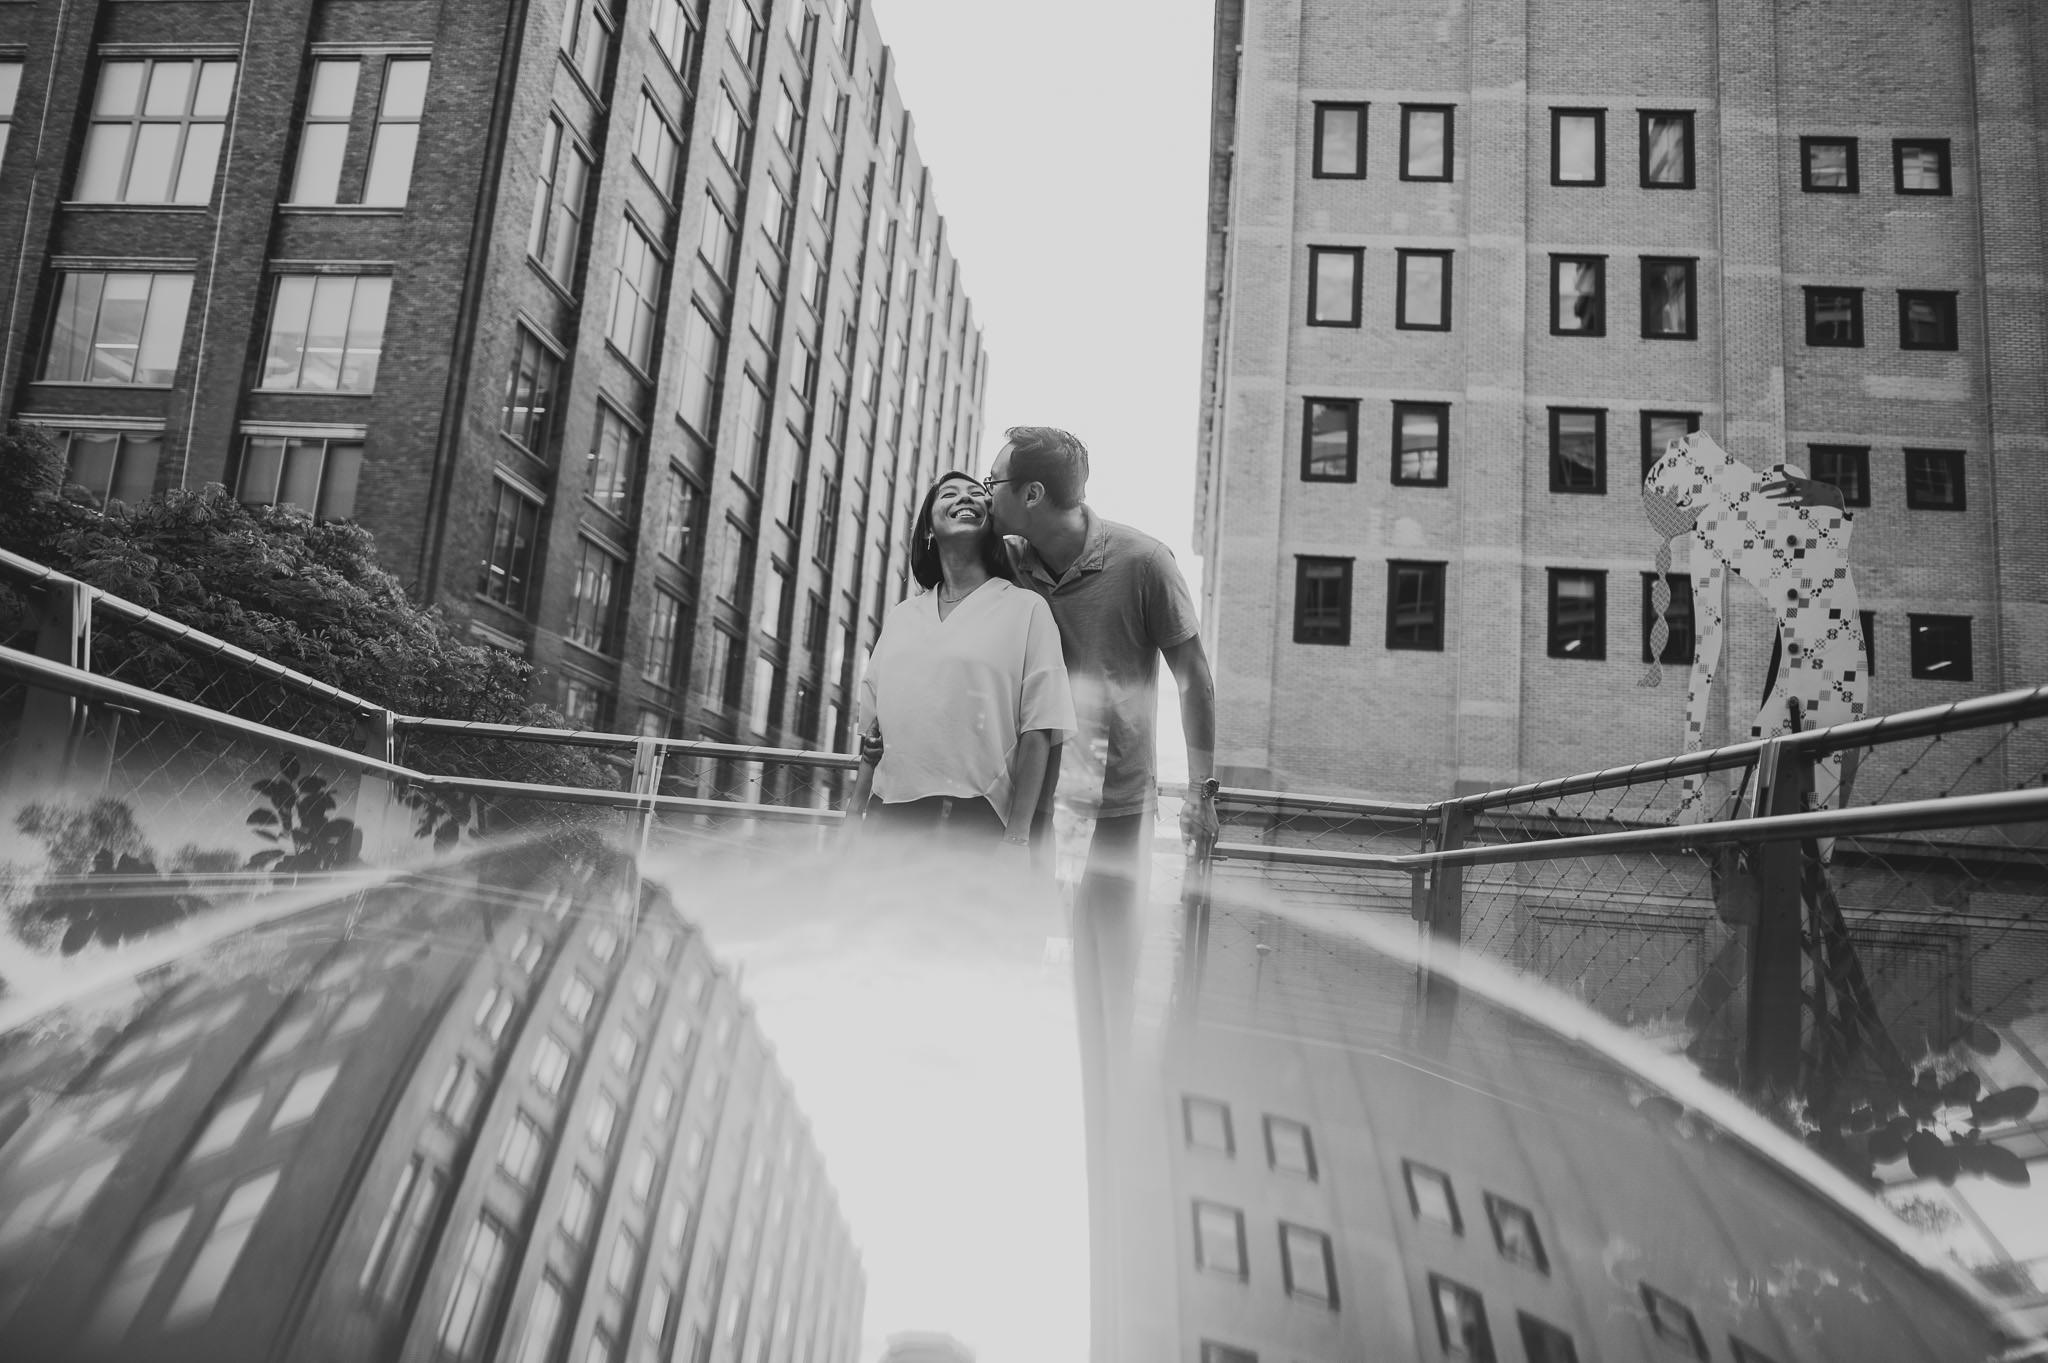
pixel 1578 457
pixel 1927 321
pixel 1577 309
pixel 1844 466
pixel 1934 480
pixel 1461 1328
pixel 1667 150
pixel 1672 1321
pixel 1660 429
pixel 1829 164
pixel 1419 443
pixel 1322 601
pixel 1834 317
pixel 1415 606
pixel 1667 298
pixel 1578 614
pixel 1545 1343
pixel 1330 440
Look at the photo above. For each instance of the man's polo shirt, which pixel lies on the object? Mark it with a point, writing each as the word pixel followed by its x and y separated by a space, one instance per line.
pixel 1120 603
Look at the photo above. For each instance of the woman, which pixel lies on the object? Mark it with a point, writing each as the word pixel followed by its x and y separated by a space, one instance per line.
pixel 966 682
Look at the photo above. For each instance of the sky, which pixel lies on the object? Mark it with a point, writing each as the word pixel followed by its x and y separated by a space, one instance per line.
pixel 1068 145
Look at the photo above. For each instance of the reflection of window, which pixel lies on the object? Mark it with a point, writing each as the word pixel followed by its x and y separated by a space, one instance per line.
pixel 604 1118
pixel 132 1281
pixel 219 1253
pixel 1927 319
pixel 1308 1267
pixel 1219 1239
pixel 1340 141
pixel 1427 133
pixel 1660 429
pixel 1668 298
pixel 557 226
pixel 550 1065
pixel 513 526
pixel 1834 317
pixel 360 1010
pixel 611 461
pixel 643 1174
pixel 1941 647
pixel 543 1321
pixel 387 1273
pixel 519 1153
pixel 1422 291
pixel 302 1099
pixel 465 1322
pixel 578 1207
pixel 1578 296
pixel 1334 277
pixel 461 1089
pixel 1329 440
pixel 1934 480
pixel 1827 165
pixel 1421 444
pixel 1578 450
pixel 1322 601
pixel 115 466
pixel 1667 149
pixel 678 516
pixel 1430 1196
pixel 493 1011
pixel 1206 1123
pixel 1920 165
pixel 1672 1321
pixel 156 131
pixel 1514 1231
pixel 1289 1149
pixel 1577 613
pixel 326 332
pixel 125 327
pixel 1415 606
pixel 226 1127
pixel 1543 1342
pixel 1460 1321
pixel 313 474
pixel 1578 146
pixel 55 1204
pixel 1678 643
pixel 663 631
pixel 625 1050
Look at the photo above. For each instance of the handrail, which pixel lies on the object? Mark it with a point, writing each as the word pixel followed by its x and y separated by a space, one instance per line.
pixel 592 738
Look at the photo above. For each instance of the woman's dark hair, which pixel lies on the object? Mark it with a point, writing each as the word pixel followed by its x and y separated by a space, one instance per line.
pixel 924 553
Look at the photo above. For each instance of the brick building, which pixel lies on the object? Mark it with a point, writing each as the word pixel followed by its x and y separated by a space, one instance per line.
pixel 1470 264
pixel 651 409
pixel 496 1116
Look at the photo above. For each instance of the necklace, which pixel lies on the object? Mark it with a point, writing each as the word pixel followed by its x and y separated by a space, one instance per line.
pixel 955 600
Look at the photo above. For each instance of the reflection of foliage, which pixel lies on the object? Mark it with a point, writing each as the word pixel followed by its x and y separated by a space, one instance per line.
pixel 103 883
pixel 301 825
pixel 73 836
pixel 1926 1215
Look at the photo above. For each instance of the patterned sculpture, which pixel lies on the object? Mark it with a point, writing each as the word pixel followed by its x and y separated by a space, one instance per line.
pixel 1771 531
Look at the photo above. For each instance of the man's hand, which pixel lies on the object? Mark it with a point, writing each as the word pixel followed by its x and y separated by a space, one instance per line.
pixel 1792 491
pixel 1198 821
pixel 871 745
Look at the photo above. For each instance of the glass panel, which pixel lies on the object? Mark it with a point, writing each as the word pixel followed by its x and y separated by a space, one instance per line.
pixel 338 487
pixel 1920 167
pixel 300 486
pixel 334 89
pixel 1340 142
pixel 124 306
pixel 135 474
pixel 1424 295
pixel 391 157
pixel 1329 454
pixel 318 177
pixel 1670 315
pixel 1578 296
pixel 226 1127
pixel 92 460
pixel 201 159
pixel 1335 274
pixel 137 1275
pixel 216 88
pixel 1306 1270
pixel 170 90
pixel 543 1322
pixel 120 89
pixel 1426 143
pixel 1421 446
pixel 163 328
pixel 262 462
pixel 1216 1238
pixel 365 333
pixel 78 306
pixel 288 318
pixel 327 331
pixel 99 171
pixel 216 1259
pixel 1827 165
pixel 405 88
pixel 1578 148
pixel 1666 158
pixel 156 156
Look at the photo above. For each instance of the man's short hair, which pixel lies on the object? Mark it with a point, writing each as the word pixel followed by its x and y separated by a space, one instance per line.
pixel 1049 455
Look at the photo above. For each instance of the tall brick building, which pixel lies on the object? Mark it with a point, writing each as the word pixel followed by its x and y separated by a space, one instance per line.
pixel 1471 263
pixel 631 330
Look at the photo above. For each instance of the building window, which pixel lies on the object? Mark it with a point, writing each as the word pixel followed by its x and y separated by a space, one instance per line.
pixel 1428 138
pixel 10 90
pixel 1206 1125
pixel 703 355
pixel 1920 165
pixel 1744 1353
pixel 1578 146
pixel 1666 148
pixel 1460 1321
pixel 1578 450
pixel 543 1321
pixel 396 138
pixel 508 561
pixel 519 1153
pixel 577 997
pixel 326 333
pixel 763 308
pixel 625 1050
pixel 1308 1266
pixel 1515 1235
pixel 752 450
pixel 604 1119
pixel 1335 275
pixel 1545 1343
pixel 1668 298
pixel 1660 429
pixel 1578 296
pixel 1845 467
pixel 717 239
pixel 1867 623
pixel 1212 1352
pixel 465 1322
pixel 551 1058
pixel 1415 606
pixel 636 290
pixel 726 127
pixel 1941 647
pixel 226 1128
pixel 156 131
pixel 743 31
pixel 1934 480
pixel 1672 1321
pixel 675 31
pixel 1289 1148
pixel 1329 440
pixel 1834 317
pixel 1421 445
pixel 786 118
pixel 656 146
pixel 1827 165
pixel 323 137
pixel 395 1250
pixel 593 607
pixel 612 461
pixel 220 1252
pixel 1322 600
pixel 1422 291
pixel 1678 640
pixel 1577 614
pixel 1430 1196
pixel 579 1206
pixel 556 231
pixel 679 513
pixel 587 39
pixel 124 328
pixel 1340 141
pixel 315 475
pixel 1219 1240
pixel 663 635
pixel 1927 319
pixel 117 466
pixel 456 1099
pixel 132 1282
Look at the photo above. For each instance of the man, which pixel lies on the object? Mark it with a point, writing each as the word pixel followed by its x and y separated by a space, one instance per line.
pixel 1121 606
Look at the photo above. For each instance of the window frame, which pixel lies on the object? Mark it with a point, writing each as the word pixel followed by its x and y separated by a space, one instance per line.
pixel 137 119
pixel 1685 118
pixel 1955 463
pixel 1357 254
pixel 89 348
pixel 502 489
pixel 1557 460
pixel 328 442
pixel 1899 147
pixel 279 281
pixel 1812 294
pixel 1663 1327
pixel 1189 1102
pixel 1599 328
pixel 1599 116
pixel 1450 113
pixel 1496 1207
pixel 1859 496
pixel 1807 144
pixel 1552 578
pixel 1242 1271
pixel 122 474
pixel 1303 563
pixel 1268 1123
pixel 1442 411
pixel 1648 264
pixel 1432 571
pixel 549 361
pixel 1323 108
pixel 1404 254
pixel 1409 1169
pixel 1322 1242
pixel 1483 1351
pixel 1646 421
pixel 1349 471
pixel 1946 308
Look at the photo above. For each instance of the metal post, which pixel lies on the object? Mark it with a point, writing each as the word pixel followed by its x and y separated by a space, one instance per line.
pixel 648 755
pixel 376 802
pixel 1194 903
pixel 1444 909
pixel 52 722
pixel 1771 1040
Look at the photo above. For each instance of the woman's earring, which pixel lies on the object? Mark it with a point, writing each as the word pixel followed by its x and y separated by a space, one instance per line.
pixel 927 537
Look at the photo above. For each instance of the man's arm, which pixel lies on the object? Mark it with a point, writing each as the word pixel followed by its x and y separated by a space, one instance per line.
pixel 1189 663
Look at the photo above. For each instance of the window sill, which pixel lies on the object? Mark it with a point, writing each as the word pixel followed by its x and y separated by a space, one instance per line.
pixel 568 64
pixel 344 210
pixel 534 455
pixel 638 371
pixel 317 392
pixel 101 206
pixel 559 289
pixel 511 612
pixel 90 387
pixel 611 660
pixel 607 512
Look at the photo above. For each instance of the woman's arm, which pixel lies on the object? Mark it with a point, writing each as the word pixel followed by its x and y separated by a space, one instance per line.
pixel 863 786
pixel 1027 775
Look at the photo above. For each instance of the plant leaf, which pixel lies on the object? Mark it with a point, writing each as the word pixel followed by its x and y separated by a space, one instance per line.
pixel 1964 1088
pixel 1980 1038
pixel 2005 1105
pixel 262 818
pixel 1930 1158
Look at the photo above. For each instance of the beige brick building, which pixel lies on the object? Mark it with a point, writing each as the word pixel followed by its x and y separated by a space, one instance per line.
pixel 1469 261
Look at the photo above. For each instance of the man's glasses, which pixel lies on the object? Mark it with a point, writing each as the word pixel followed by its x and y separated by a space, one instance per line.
pixel 990 483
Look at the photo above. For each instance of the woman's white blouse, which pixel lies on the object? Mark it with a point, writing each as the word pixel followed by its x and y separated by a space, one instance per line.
pixel 952 695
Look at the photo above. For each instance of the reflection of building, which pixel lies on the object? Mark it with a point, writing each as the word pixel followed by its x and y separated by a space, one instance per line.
pixel 1362 1164
pixel 514 1117
pixel 1468 265
pixel 912 1347
pixel 606 319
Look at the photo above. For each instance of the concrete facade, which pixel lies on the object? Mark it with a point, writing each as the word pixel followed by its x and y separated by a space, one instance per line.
pixel 714 573
pixel 1491 707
